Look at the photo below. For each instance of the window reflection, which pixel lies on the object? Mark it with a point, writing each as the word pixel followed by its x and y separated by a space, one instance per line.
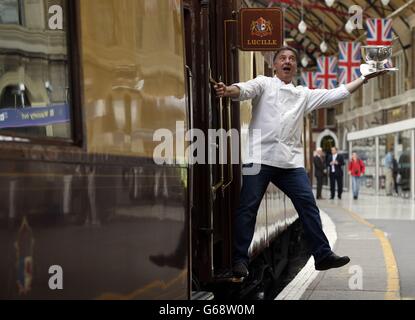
pixel 403 173
pixel 366 150
pixel 386 159
pixel 34 77
pixel 394 164
pixel 9 12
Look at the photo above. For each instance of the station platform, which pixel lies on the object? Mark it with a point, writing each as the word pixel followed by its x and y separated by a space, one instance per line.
pixel 377 234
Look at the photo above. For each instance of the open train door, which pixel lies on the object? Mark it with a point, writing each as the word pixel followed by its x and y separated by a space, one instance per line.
pixel 199 204
pixel 224 114
pixel 214 184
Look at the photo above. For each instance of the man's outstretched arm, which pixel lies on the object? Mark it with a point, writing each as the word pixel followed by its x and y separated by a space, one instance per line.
pixel 243 90
pixel 322 98
pixel 227 91
pixel 356 84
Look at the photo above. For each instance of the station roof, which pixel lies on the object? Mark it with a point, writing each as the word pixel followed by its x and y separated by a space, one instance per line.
pixel 328 23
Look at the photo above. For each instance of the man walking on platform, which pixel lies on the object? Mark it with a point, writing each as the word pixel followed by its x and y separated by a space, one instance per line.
pixel 319 170
pixel 278 109
pixel 335 164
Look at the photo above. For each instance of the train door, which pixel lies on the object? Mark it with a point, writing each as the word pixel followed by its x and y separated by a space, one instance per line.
pixel 198 52
pixel 200 227
pixel 224 175
pixel 214 186
pixel 218 153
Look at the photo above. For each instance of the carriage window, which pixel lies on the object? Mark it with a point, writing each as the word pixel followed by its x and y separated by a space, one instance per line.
pixel 34 71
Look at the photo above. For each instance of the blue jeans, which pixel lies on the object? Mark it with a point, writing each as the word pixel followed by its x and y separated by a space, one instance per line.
pixel 355 186
pixel 296 185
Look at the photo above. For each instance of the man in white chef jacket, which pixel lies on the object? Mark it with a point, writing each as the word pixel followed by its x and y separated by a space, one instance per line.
pixel 278 112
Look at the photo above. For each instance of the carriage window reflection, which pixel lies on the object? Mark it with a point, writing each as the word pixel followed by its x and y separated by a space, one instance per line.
pixel 34 70
pixel 10 12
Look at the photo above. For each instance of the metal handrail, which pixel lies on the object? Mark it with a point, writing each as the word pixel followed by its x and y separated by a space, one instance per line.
pixel 230 158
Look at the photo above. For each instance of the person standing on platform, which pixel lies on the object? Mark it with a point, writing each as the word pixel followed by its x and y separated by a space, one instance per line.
pixel 335 164
pixel 278 110
pixel 319 170
pixel 395 172
pixel 356 170
pixel 389 173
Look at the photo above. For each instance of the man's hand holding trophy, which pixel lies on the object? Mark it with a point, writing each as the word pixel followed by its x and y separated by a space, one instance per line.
pixel 376 59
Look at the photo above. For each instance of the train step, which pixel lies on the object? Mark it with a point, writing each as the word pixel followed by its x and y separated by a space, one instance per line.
pixel 227 276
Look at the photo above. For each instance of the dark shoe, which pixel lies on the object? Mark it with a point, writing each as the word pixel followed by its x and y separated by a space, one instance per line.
pixel 169 261
pixel 332 261
pixel 355 197
pixel 340 197
pixel 240 270
pixel 159 260
pixel 331 198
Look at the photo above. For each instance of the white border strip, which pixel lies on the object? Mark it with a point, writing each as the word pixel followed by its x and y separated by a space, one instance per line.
pixel 296 288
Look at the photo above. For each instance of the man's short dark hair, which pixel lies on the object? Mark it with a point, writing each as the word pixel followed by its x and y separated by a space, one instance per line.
pixel 279 50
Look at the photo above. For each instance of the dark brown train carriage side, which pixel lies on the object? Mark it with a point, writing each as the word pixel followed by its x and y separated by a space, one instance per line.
pixel 85 194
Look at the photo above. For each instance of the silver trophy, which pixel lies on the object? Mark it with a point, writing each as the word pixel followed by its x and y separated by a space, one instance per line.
pixel 377 58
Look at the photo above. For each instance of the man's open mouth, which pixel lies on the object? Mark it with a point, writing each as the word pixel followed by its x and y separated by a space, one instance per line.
pixel 287 69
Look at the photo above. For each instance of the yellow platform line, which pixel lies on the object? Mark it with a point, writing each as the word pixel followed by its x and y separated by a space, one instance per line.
pixel 358 218
pixel 393 291
pixel 393 286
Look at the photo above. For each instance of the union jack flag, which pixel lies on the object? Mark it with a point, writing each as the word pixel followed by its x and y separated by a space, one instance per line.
pixel 379 32
pixel 326 72
pixel 349 61
pixel 309 79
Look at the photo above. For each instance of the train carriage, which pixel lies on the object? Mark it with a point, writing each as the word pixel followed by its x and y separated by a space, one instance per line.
pixel 87 210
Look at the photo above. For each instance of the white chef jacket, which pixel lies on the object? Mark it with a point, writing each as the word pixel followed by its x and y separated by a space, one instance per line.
pixel 278 111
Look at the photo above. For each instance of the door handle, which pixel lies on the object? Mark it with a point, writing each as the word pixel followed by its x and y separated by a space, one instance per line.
pixel 230 156
pixel 219 184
